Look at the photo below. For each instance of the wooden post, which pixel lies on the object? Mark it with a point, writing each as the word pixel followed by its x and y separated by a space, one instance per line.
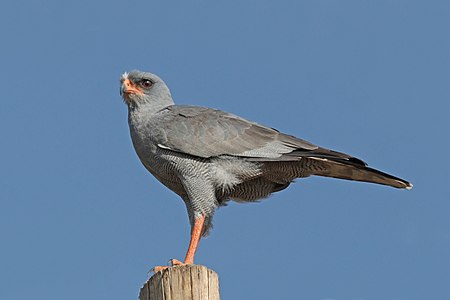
pixel 188 282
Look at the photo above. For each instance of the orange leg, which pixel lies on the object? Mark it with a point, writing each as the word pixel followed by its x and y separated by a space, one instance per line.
pixel 196 235
pixel 195 239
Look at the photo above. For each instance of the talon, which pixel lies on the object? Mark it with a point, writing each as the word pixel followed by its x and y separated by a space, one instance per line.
pixel 171 263
pixel 175 262
pixel 195 239
pixel 157 269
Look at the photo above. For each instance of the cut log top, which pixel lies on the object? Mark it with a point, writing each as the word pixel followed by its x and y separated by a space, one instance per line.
pixel 189 282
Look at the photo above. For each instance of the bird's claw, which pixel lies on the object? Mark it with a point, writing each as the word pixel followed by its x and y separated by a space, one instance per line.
pixel 172 262
pixel 175 262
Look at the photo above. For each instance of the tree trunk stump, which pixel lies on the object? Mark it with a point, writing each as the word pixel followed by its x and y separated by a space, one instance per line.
pixel 188 282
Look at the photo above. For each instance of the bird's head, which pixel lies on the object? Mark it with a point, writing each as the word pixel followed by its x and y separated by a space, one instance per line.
pixel 140 88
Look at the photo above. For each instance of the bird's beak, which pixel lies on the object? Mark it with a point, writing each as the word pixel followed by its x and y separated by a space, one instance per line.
pixel 128 88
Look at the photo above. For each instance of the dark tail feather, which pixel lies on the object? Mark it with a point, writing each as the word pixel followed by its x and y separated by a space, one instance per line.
pixel 354 171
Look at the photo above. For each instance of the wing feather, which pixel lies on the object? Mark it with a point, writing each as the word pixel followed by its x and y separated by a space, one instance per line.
pixel 206 132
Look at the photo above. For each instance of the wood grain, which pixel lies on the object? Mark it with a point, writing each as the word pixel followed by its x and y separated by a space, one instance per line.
pixel 188 282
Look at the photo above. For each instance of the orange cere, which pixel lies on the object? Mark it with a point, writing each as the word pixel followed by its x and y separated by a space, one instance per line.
pixel 131 88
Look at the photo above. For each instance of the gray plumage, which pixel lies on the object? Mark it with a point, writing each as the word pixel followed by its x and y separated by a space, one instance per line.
pixel 208 156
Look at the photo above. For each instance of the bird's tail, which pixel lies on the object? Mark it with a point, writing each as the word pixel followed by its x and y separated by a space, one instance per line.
pixel 355 171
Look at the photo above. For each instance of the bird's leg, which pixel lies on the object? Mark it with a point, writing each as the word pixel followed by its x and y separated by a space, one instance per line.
pixel 196 235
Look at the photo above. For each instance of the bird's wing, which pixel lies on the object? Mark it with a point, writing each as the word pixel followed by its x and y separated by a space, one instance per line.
pixel 206 132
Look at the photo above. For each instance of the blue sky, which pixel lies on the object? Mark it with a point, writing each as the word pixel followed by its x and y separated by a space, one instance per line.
pixel 80 217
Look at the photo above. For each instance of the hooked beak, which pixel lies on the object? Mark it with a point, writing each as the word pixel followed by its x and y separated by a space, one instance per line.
pixel 128 88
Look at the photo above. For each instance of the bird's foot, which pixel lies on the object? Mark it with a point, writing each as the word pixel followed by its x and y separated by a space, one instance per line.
pixel 195 239
pixel 172 262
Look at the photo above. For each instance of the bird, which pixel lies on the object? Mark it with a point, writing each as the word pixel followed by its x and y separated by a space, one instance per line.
pixel 209 157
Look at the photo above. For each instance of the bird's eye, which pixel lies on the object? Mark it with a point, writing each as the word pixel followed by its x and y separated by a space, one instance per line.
pixel 146 83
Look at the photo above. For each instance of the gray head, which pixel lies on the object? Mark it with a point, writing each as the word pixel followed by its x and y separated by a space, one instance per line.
pixel 142 89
